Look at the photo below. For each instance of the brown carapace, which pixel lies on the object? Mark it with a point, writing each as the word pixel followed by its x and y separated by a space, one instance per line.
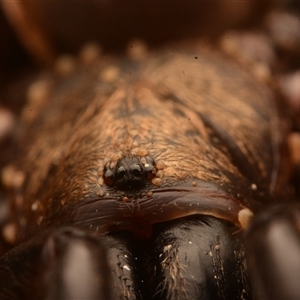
pixel 130 141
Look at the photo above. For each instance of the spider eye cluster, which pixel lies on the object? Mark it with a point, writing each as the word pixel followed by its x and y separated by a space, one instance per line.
pixel 129 172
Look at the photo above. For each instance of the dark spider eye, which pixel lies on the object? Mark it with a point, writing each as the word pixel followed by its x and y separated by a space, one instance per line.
pixel 121 172
pixel 149 167
pixel 129 172
pixel 150 174
pixel 136 170
pixel 108 176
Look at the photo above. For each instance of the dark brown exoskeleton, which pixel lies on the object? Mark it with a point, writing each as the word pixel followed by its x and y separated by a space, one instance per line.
pixel 151 166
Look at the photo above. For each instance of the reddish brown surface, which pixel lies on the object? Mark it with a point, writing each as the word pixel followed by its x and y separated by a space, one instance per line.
pixel 190 107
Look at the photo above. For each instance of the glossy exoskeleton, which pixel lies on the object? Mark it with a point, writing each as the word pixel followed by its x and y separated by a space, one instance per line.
pixel 139 176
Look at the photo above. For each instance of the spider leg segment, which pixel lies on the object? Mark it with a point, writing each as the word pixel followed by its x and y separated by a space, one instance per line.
pixel 273 249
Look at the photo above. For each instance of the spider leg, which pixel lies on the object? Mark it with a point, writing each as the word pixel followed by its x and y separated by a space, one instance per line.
pixel 273 249
pixel 65 263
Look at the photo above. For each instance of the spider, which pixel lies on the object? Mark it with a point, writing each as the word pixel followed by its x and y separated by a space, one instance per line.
pixel 156 174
